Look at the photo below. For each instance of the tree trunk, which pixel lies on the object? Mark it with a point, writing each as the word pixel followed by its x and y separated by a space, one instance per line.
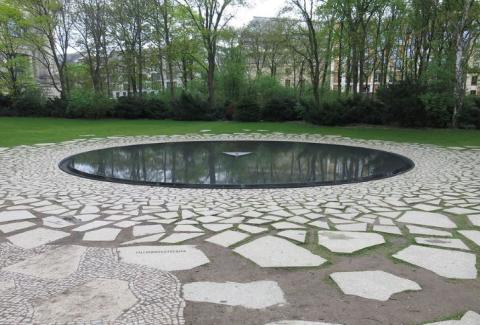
pixel 211 79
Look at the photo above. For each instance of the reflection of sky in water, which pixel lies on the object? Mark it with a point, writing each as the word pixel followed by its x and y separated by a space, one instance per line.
pixel 269 163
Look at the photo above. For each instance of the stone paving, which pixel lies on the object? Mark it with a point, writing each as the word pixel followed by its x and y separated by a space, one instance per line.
pixel 79 251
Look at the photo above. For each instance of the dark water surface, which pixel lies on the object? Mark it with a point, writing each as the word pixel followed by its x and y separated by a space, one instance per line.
pixel 236 164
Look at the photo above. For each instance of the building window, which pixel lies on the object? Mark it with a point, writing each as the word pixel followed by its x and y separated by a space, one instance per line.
pixel 117 94
pixel 376 76
pixel 473 92
pixel 287 83
pixel 474 80
pixel 288 71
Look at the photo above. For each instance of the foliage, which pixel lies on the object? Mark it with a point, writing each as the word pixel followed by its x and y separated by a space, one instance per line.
pixel 56 107
pixel 470 115
pixel 346 110
pixel 232 77
pixel 281 109
pixel 438 98
pixel 88 104
pixel 28 103
pixel 403 104
pixel 190 107
pixel 247 110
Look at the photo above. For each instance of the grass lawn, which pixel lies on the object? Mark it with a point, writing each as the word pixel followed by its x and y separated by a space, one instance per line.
pixel 18 131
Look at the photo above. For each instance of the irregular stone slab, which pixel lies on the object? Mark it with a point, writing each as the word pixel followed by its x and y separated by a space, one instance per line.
pixel 217 226
pixel 416 230
pixel 475 220
pixel 376 285
pixel 298 219
pixel 254 295
pixel 426 207
pixel 57 263
pixel 299 322
pixel 286 225
pixel 473 235
pixel 37 237
pixel 393 230
pixel 56 222
pixel 104 234
pixel 7 216
pixel 258 221
pixel 117 217
pixel 252 229
pixel 100 299
pixel 147 239
pixel 92 225
pixel 320 224
pixel 166 258
pixel 86 217
pixel 90 209
pixel 227 238
pixel 461 211
pixel 469 318
pixel 348 241
pixel 427 219
pixel 147 230
pixel 126 224
pixel 270 251
pixel 11 227
pixel 297 235
pixel 446 263
pixel 179 237
pixel 187 228
pixel 252 214
pixel 442 242
pixel 209 219
pixel 168 215
pixel 352 227
pixel 338 221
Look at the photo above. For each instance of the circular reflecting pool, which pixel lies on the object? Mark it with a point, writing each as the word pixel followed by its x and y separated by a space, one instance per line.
pixel 236 164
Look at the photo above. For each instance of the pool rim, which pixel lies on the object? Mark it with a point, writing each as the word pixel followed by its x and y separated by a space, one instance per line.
pixel 63 166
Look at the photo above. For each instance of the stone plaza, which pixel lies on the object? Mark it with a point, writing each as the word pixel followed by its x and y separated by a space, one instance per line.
pixel 400 250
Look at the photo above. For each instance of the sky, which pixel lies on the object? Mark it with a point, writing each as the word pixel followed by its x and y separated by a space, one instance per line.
pixel 259 8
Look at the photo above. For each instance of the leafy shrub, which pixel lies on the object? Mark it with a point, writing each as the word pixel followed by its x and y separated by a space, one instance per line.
pixel 438 108
pixel 247 110
pixel 156 108
pixel 193 108
pixel 469 116
pixel 229 110
pixel 343 111
pixel 29 103
pixel 362 110
pixel 5 105
pixel 56 107
pixel 280 109
pixel 87 104
pixel 129 107
pixel 403 104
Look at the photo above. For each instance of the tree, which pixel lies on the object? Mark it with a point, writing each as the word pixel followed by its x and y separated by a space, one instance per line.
pixel 51 27
pixel 307 10
pixel 129 31
pixel 91 24
pixel 14 62
pixel 465 28
pixel 162 22
pixel 210 18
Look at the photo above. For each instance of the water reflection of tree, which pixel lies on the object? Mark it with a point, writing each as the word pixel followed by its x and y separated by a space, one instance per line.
pixel 205 163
